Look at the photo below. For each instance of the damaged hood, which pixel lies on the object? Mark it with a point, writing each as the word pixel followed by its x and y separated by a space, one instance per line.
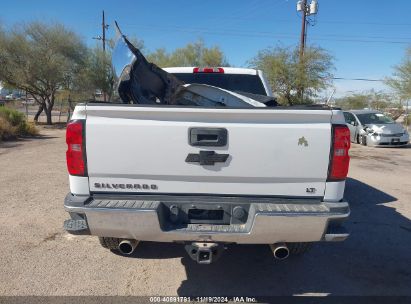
pixel 388 129
pixel 142 82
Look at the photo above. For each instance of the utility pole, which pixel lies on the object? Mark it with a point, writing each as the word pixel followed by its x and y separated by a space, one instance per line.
pixel 306 10
pixel 104 27
pixel 304 21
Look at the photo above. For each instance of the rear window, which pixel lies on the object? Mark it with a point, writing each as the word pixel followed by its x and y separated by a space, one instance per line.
pixel 232 82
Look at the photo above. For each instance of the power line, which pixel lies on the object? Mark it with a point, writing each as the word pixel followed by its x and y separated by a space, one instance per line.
pixel 358 79
pixel 334 22
pixel 239 33
pixel 365 23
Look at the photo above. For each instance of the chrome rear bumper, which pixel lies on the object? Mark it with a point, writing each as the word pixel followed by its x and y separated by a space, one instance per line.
pixel 269 220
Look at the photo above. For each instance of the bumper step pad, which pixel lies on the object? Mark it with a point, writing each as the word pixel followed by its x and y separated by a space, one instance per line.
pixel 77 227
pixel 336 234
pixel 124 204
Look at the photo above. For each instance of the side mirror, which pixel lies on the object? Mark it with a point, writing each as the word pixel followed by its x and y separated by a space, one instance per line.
pixel 353 122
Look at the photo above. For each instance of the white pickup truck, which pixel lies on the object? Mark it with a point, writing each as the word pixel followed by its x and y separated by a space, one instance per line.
pixel 208 176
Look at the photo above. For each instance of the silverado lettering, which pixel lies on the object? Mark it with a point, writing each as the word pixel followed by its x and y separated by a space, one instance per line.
pixel 126 186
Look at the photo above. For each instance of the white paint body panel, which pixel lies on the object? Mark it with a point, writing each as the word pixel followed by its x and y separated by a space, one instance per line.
pixel 334 191
pixel 148 145
pixel 79 185
pixel 79 112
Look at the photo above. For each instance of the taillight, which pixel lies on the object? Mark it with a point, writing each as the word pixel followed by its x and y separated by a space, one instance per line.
pixel 339 158
pixel 76 154
pixel 208 70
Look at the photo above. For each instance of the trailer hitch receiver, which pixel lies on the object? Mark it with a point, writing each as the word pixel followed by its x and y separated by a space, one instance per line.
pixel 204 253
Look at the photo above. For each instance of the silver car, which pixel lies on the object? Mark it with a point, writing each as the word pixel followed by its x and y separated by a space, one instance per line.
pixel 373 128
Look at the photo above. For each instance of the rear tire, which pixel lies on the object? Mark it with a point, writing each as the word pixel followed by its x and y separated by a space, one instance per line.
pixel 299 248
pixel 109 243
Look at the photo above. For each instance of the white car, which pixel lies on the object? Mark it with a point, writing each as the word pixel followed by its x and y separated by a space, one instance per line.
pixel 373 128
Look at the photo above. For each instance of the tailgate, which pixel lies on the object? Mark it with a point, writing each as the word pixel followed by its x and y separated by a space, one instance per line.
pixel 269 152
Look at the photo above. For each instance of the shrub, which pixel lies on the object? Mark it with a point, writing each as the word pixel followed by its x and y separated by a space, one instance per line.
pixel 13 123
pixel 30 129
pixel 7 131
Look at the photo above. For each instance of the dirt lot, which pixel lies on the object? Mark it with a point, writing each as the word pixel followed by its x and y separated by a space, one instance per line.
pixel 39 258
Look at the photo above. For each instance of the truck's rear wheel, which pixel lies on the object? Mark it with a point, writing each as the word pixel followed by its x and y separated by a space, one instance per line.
pixel 109 242
pixel 298 248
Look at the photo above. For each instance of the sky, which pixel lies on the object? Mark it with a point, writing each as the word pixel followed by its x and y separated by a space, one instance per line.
pixel 366 37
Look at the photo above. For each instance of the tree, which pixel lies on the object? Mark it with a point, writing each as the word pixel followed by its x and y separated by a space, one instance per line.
pixel 380 100
pixel 160 57
pixel 401 78
pixel 193 54
pixel 97 74
pixel 287 74
pixel 353 101
pixel 111 43
pixel 376 100
pixel 40 59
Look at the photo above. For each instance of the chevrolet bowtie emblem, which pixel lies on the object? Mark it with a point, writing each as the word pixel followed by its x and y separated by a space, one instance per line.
pixel 206 158
pixel 302 142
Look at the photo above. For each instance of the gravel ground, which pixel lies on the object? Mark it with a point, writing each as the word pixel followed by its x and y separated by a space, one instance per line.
pixel 39 258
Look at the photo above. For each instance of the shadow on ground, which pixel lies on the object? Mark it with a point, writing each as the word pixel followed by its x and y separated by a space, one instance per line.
pixel 407 146
pixel 17 142
pixel 375 260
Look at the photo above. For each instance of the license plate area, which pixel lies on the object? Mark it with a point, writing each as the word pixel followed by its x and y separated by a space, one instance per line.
pixel 205 213
pixel 197 216
pixel 395 140
pixel 181 214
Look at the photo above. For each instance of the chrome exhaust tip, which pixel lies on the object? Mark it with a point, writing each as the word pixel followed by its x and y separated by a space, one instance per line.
pixel 127 246
pixel 280 251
